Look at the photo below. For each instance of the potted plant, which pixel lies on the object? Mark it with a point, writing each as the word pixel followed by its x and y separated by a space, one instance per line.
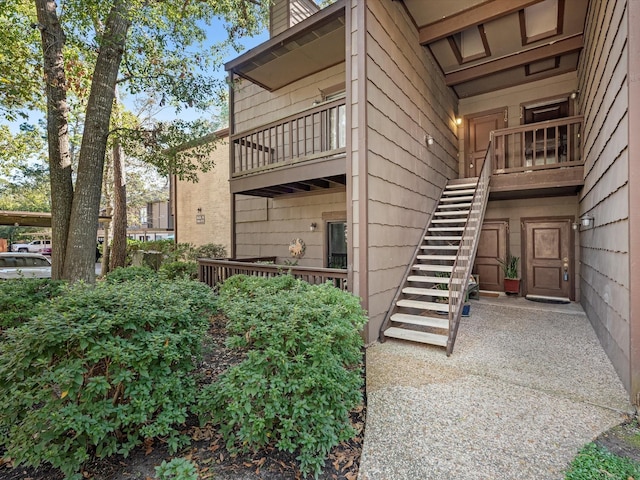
pixel 511 278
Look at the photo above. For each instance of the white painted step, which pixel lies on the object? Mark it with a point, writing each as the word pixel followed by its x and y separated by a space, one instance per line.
pixel 451 213
pixel 450 258
pixel 452 206
pixel 436 307
pixel 448 238
pixel 448 221
pixel 467 191
pixel 433 268
pixel 433 322
pixel 430 279
pixel 420 337
pixel 426 291
pixel 456 199
pixel 445 229
pixel 462 186
pixel 439 247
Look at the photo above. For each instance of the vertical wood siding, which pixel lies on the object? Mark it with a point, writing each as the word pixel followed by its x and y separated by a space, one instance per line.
pixel 265 227
pixel 604 102
pixel 406 99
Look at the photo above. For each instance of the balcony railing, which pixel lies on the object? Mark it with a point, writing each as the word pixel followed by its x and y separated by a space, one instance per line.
pixel 214 272
pixel 314 133
pixel 538 146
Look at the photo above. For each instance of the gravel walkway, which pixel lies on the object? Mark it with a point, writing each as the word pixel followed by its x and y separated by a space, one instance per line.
pixel 524 389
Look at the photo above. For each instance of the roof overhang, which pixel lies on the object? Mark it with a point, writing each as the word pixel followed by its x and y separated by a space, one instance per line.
pixel 314 44
pixel 32 219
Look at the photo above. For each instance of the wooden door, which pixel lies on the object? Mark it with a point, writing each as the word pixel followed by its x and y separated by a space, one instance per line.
pixel 479 128
pixel 548 262
pixel 491 246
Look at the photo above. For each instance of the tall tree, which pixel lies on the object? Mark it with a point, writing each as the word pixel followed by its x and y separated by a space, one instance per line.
pixel 143 46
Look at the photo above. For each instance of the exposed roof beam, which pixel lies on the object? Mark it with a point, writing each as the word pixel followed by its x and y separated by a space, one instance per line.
pixel 460 21
pixel 560 47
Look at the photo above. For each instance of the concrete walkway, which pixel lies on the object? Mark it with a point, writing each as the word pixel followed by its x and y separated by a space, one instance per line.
pixel 527 385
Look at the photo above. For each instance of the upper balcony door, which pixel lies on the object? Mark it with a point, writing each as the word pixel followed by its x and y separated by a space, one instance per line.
pixel 479 128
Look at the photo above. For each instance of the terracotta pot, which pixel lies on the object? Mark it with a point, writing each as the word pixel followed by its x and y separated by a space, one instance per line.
pixel 512 285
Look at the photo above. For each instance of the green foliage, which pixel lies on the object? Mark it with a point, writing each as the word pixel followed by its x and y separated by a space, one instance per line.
pixel 170 250
pixel 174 270
pixel 510 266
pixel 209 250
pixel 101 369
pixel 177 469
pixel 22 298
pixel 302 374
pixel 597 463
pixel 128 274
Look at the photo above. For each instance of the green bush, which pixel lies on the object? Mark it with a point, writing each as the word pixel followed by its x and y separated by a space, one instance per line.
pixel 21 298
pixel 174 270
pixel 209 250
pixel 101 369
pixel 302 375
pixel 177 469
pixel 128 274
pixel 595 463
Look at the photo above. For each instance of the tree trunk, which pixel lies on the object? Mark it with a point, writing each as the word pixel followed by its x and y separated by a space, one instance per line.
pixel 57 131
pixel 119 245
pixel 81 243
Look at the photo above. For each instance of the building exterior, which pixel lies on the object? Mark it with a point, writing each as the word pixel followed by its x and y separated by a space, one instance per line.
pixel 202 210
pixel 346 126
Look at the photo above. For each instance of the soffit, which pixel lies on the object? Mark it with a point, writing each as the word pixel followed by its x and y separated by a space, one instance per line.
pixel 316 43
pixel 509 57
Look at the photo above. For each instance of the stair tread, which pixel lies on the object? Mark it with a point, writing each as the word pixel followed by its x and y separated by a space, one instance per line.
pixel 465 191
pixel 456 199
pixel 448 220
pixel 438 307
pixel 440 257
pixel 463 181
pixel 443 237
pixel 415 336
pixel 435 322
pixel 433 268
pixel 426 291
pixel 430 279
pixel 439 247
pixel 452 212
pixel 453 205
pixel 448 229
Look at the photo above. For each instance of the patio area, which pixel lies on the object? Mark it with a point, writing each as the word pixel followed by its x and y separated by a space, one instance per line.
pixel 527 385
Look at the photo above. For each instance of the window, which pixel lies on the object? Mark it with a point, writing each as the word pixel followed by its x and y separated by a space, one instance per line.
pixel 337 245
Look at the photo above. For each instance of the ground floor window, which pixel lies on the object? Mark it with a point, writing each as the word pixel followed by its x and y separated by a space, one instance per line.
pixel 337 245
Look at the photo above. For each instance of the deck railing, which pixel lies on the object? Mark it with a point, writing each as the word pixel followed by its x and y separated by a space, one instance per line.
pixel 214 272
pixel 538 146
pixel 467 251
pixel 313 133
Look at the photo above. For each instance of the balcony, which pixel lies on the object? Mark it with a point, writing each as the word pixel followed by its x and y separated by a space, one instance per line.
pixel 542 158
pixel 299 153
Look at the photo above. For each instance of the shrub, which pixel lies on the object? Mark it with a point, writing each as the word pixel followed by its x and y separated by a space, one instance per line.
pixel 174 270
pixel 128 274
pixel 302 374
pixel 21 298
pixel 594 462
pixel 177 469
pixel 101 369
pixel 209 250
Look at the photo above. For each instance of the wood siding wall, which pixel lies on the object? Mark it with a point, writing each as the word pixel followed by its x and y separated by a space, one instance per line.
pixel 604 101
pixel 211 194
pixel 285 14
pixel 406 100
pixel 266 226
pixel 255 106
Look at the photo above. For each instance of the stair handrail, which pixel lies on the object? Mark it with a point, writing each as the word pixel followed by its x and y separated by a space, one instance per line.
pixel 462 267
pixel 394 307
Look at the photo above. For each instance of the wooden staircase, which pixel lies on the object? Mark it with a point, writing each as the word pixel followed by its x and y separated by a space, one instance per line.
pixel 428 304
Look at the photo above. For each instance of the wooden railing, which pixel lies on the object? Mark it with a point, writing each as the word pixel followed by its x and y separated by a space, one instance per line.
pixel 466 255
pixel 537 146
pixel 214 272
pixel 317 132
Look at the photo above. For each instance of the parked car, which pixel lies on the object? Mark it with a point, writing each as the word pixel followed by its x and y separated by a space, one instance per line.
pixel 34 246
pixel 46 251
pixel 24 265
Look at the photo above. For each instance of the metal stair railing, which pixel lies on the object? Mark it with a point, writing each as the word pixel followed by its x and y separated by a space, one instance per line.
pixel 467 251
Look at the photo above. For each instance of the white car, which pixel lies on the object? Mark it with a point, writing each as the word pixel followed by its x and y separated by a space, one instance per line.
pixel 35 246
pixel 24 265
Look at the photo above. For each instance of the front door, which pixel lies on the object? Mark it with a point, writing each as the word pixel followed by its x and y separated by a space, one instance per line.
pixel 479 128
pixel 548 263
pixel 491 247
